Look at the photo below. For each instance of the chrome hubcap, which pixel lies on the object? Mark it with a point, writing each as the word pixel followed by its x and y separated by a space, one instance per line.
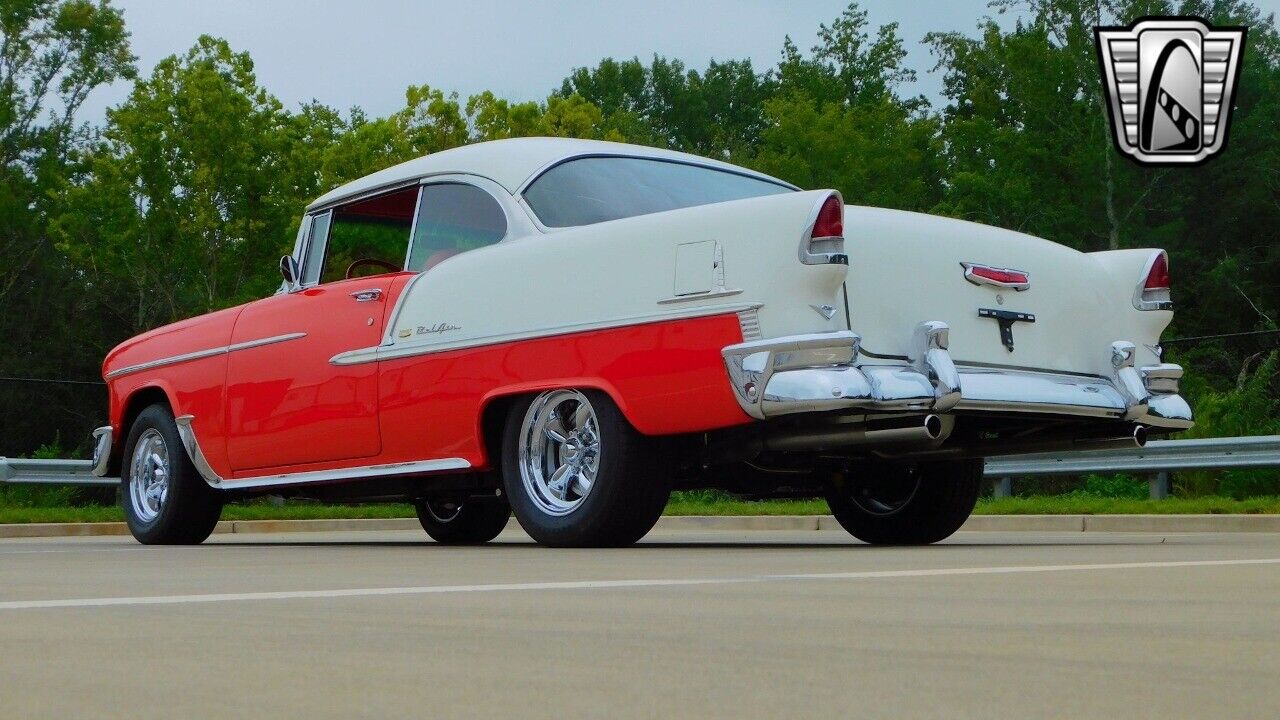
pixel 149 476
pixel 559 451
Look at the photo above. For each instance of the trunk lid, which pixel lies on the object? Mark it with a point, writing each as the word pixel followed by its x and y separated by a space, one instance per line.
pixel 905 268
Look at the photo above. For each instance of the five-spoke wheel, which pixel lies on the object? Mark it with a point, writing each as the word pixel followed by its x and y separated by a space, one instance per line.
pixel 559 451
pixel 576 472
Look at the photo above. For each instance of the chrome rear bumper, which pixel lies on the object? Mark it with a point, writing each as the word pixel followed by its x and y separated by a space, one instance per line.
pixel 821 372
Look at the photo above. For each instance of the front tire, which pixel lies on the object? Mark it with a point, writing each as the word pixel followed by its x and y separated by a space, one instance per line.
pixel 905 504
pixel 165 500
pixel 458 522
pixel 577 474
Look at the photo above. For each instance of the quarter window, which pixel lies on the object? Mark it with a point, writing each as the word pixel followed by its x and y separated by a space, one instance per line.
pixel 454 218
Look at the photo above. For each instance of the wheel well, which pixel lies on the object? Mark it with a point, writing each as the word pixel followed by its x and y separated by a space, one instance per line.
pixel 140 400
pixel 492 422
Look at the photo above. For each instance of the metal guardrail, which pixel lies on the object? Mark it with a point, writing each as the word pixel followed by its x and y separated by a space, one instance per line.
pixel 51 472
pixel 1160 456
pixel 1157 456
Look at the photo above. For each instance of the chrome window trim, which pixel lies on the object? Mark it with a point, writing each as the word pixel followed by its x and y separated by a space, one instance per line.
pixel 732 170
pixel 201 354
pixel 413 227
pixel 189 443
pixel 302 283
pixel 370 193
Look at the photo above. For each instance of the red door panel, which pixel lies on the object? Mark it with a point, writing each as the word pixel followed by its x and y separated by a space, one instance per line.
pixel 286 403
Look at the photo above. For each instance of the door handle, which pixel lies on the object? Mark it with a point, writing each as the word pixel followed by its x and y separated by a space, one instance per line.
pixel 367 295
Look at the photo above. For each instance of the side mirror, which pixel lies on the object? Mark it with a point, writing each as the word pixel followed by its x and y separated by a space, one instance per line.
pixel 289 270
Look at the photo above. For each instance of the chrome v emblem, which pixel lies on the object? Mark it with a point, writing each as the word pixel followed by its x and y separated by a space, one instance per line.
pixel 826 311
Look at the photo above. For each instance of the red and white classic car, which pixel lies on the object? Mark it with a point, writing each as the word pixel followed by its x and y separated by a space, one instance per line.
pixel 570 329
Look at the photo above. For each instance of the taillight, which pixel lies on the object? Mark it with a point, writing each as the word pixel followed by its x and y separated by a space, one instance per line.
pixel 823 244
pixel 997 277
pixel 830 222
pixel 1158 276
pixel 1154 294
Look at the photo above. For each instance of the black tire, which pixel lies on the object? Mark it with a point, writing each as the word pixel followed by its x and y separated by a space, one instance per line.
pixel 470 522
pixel 917 504
pixel 626 498
pixel 190 508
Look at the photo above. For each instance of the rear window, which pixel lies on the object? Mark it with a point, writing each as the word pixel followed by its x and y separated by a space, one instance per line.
pixel 596 189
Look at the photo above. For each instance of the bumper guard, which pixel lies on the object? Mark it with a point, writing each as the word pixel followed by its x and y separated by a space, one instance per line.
pixel 820 372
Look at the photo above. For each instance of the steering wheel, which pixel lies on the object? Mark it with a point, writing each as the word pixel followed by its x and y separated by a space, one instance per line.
pixel 351 269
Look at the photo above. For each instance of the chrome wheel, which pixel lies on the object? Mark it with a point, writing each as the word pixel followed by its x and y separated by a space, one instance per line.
pixel 559 451
pixel 149 476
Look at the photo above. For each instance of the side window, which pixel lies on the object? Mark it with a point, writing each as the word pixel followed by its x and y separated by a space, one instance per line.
pixel 454 218
pixel 363 238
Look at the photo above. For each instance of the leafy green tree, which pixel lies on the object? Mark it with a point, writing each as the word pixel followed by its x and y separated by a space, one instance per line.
pixel 182 207
pixel 838 121
pixel 53 53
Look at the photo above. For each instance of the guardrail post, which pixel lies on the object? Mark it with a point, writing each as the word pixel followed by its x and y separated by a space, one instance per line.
pixel 1003 487
pixel 1160 485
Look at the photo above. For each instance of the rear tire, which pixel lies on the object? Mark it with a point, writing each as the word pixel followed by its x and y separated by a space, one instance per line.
pixel 165 500
pixel 906 504
pixel 577 474
pixel 469 522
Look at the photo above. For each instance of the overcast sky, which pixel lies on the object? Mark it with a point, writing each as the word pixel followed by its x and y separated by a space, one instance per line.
pixel 348 53
pixel 345 52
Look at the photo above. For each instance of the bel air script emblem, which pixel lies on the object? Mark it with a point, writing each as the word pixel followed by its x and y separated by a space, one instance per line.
pixel 438 328
pixel 1170 84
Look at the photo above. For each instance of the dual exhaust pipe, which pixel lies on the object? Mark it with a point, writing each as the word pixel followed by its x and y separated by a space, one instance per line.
pixel 927 430
pixel 924 436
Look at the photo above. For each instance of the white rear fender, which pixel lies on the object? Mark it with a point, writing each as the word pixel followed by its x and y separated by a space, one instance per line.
pixel 728 257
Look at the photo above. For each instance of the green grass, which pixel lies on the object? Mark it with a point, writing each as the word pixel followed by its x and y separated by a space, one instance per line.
pixel 698 503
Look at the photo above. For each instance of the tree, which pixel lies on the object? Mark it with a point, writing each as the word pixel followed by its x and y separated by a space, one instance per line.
pixel 837 120
pixel 183 206
pixel 53 53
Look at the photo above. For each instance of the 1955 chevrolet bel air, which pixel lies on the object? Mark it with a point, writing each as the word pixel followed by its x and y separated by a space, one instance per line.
pixel 570 329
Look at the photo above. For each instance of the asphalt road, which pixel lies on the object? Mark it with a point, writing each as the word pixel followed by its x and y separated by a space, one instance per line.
pixel 732 625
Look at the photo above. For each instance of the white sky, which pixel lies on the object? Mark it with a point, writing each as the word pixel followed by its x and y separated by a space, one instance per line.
pixel 349 52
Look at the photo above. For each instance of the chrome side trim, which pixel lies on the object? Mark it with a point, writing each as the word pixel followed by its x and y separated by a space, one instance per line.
pixel 192 446
pixel 403 350
pixel 201 354
pixel 188 436
pixel 353 473
pixel 723 292
pixel 101 450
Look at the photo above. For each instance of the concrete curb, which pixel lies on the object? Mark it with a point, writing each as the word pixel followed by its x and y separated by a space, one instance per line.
pixel 694 523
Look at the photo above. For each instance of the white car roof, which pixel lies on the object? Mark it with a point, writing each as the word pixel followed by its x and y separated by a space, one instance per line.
pixel 509 163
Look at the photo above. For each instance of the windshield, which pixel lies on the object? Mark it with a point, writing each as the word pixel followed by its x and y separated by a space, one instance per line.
pixel 596 189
